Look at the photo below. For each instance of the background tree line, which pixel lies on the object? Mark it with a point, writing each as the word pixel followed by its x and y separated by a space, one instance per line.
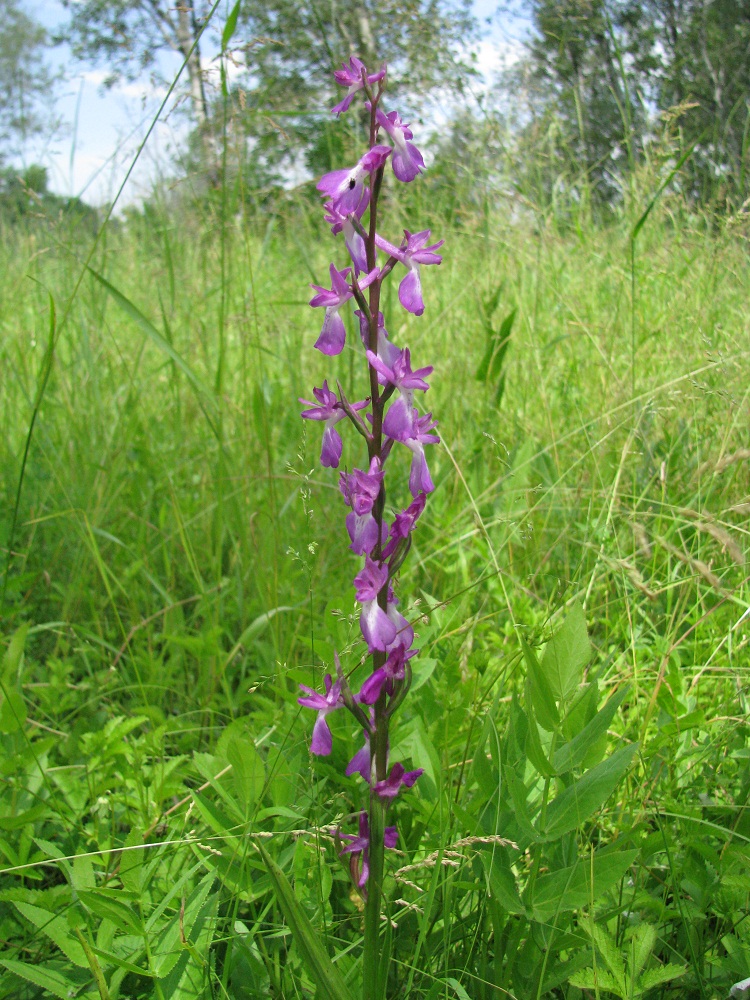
pixel 581 108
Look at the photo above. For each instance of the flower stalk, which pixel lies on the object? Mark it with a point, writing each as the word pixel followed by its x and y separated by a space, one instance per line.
pixel 391 419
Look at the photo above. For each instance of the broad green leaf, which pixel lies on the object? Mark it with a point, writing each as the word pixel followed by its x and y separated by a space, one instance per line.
pixel 607 948
pixel 586 979
pixel 190 976
pixel 640 945
pixel 316 958
pixel 57 983
pixel 572 888
pixel 572 754
pixel 534 749
pixel 518 794
pixel 55 927
pixel 575 804
pixel 14 652
pixel 105 904
pixel 248 773
pixel 566 654
pixel 662 974
pixel 168 948
pixel 539 692
pixel 502 880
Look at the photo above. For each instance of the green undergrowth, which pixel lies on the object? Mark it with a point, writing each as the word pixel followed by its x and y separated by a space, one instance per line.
pixel 174 565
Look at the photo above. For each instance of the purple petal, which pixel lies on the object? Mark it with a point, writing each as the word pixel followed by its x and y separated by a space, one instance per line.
pixel 330 453
pixel 360 763
pixel 398 423
pixel 410 292
pixel 377 628
pixel 372 687
pixel 407 162
pixel 322 740
pixel 391 836
pixel 333 335
pixel 363 532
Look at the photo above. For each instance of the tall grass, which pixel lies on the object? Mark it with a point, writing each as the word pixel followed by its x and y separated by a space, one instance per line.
pixel 178 566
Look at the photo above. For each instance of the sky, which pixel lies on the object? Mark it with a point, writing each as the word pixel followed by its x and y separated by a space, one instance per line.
pixel 101 129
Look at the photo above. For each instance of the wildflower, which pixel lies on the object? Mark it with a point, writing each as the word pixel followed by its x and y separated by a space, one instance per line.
pixel 390 786
pixel 406 161
pixel 333 333
pixel 322 740
pixel 360 490
pixel 340 222
pixel 412 254
pixel 387 350
pixel 331 411
pixel 419 436
pixel 360 845
pixel 377 627
pixel 398 420
pixel 392 670
pixel 345 187
pixel 403 524
pixel 351 76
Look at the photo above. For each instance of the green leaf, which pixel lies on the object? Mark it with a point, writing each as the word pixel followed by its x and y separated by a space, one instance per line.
pixel 535 751
pixel 49 979
pixel 55 927
pixel 230 26
pixel 663 974
pixel 572 888
pixel 539 692
pixel 317 962
pixel 518 794
pixel 204 395
pixel 248 773
pixel 114 909
pixel 566 654
pixel 576 803
pixel 572 754
pixel 502 880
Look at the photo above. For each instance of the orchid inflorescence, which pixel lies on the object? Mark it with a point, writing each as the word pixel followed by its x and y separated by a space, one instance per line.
pixel 387 418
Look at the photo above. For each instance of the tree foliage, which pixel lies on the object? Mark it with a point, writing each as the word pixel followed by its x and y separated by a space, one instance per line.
pixel 25 80
pixel 605 68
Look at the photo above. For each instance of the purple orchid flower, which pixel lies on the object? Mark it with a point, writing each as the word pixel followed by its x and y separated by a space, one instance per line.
pixel 333 333
pixel 419 477
pixel 351 76
pixel 331 411
pixel 322 740
pixel 387 350
pixel 398 420
pixel 390 787
pixel 360 845
pixel 361 762
pixel 340 222
pixel 377 628
pixel 414 253
pixel 404 630
pixel 360 490
pixel 392 670
pixel 407 161
pixel 404 523
pixel 345 187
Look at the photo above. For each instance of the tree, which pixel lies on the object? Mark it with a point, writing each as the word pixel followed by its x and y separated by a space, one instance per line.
pixel 25 80
pixel 129 35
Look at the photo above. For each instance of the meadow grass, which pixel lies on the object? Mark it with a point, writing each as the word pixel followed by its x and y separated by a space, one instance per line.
pixel 178 566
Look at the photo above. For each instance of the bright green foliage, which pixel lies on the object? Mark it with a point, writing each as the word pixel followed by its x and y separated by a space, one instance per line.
pixel 178 567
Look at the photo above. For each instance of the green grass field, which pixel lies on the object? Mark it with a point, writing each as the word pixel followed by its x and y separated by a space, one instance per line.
pixel 178 565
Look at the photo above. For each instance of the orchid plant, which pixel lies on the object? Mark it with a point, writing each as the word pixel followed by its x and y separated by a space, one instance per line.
pixel 388 418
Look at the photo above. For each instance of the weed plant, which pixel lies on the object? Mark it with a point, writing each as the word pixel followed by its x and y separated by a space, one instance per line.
pixel 579 583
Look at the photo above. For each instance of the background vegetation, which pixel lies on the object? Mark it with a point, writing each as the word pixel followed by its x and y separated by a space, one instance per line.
pixel 174 566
